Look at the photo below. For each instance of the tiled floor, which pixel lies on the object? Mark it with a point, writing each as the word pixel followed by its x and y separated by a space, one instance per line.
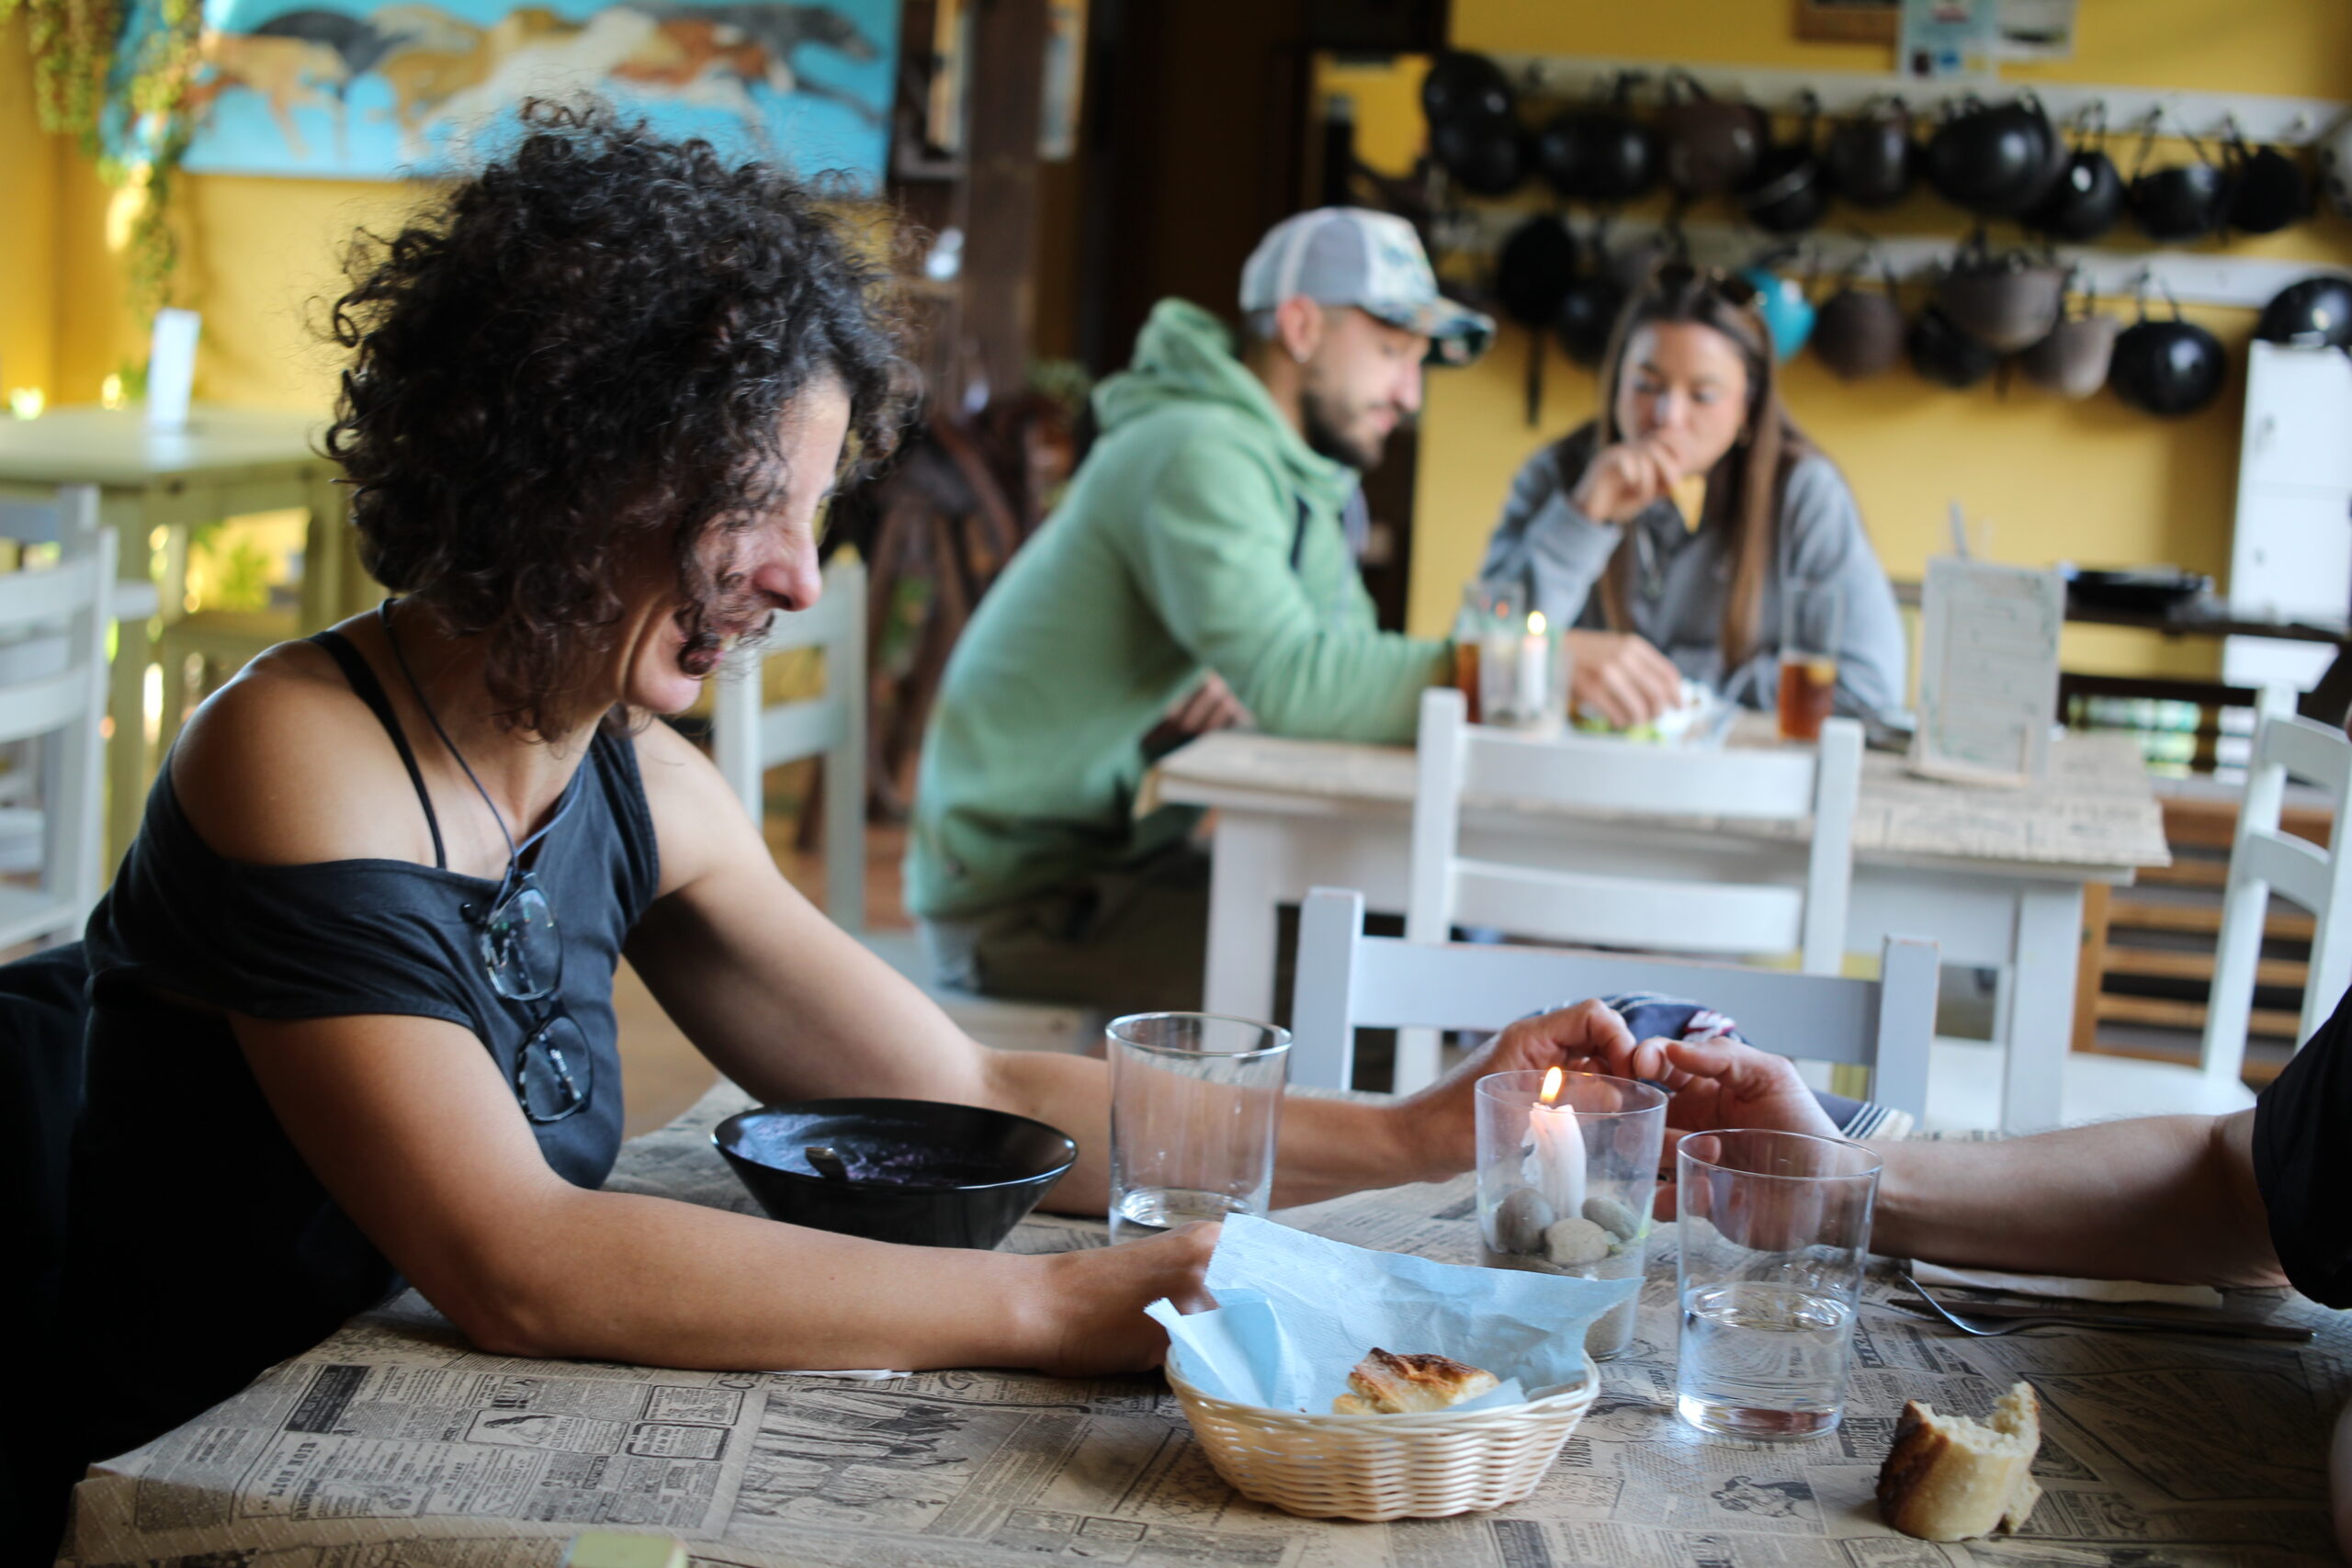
pixel 661 1073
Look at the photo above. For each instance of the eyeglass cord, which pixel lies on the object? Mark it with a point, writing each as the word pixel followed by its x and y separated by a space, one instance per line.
pixel 513 852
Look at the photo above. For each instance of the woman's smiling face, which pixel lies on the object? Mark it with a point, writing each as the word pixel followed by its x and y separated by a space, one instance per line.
pixel 1689 383
pixel 769 566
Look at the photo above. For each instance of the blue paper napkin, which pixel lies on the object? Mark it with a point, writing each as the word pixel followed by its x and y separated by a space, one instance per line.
pixel 1296 1312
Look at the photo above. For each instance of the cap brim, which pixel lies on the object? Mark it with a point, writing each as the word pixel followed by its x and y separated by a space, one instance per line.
pixel 1458 335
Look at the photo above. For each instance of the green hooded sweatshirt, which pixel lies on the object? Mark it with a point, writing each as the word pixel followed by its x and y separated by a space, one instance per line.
pixel 1171 554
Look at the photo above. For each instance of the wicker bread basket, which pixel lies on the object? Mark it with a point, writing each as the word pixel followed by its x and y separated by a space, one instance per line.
pixel 1385 1467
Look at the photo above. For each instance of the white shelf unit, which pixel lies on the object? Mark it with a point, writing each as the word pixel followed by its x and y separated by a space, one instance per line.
pixel 2291 553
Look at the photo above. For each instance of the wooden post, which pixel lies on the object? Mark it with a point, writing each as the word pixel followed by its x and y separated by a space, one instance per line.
pixel 1005 98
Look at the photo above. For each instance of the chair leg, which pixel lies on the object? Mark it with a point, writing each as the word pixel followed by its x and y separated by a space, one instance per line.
pixel 2091 973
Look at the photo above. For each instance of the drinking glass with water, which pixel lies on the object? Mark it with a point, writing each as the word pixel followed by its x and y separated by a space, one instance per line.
pixel 1195 1099
pixel 1773 1231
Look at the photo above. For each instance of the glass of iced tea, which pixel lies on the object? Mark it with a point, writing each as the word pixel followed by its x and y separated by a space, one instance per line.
pixel 1811 625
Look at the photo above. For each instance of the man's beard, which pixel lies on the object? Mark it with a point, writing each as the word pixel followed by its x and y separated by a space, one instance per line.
pixel 1325 436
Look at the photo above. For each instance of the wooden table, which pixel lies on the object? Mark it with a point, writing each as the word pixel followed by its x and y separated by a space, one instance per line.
pixel 155 486
pixel 397 1443
pixel 1994 876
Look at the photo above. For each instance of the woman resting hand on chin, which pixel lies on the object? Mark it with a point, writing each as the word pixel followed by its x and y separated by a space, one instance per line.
pixel 353 987
pixel 1664 534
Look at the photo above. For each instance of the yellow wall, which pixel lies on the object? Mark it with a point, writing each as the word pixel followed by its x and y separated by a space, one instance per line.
pixel 256 254
pixel 2093 482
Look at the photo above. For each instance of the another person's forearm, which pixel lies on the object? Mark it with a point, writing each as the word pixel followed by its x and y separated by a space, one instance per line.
pixel 2160 1198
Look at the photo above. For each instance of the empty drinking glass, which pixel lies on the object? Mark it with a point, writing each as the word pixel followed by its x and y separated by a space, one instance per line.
pixel 1773 1230
pixel 1195 1099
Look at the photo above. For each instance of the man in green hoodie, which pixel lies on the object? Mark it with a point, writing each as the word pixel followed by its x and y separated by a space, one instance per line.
pixel 1197 572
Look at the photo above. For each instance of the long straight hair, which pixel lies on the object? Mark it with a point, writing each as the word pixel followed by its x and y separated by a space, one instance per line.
pixel 1745 488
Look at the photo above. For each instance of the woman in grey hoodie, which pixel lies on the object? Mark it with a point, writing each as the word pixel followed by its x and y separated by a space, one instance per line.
pixel 1666 533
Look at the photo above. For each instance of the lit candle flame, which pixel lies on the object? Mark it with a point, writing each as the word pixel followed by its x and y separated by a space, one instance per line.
pixel 1535 623
pixel 1552 1081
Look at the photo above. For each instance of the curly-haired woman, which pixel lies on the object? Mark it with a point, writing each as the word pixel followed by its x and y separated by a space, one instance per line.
pixel 352 986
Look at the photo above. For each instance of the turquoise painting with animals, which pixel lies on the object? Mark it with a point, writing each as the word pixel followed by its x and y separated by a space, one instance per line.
pixel 336 89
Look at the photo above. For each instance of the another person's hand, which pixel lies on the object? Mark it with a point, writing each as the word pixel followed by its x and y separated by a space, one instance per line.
pixel 1440 1121
pixel 1717 1084
pixel 1624 479
pixel 1092 1301
pixel 1208 707
pixel 1621 677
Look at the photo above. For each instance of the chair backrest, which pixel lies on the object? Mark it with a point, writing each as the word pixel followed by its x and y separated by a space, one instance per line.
pixel 750 737
pixel 54 622
pixel 1349 981
pixel 2264 861
pixel 1586 774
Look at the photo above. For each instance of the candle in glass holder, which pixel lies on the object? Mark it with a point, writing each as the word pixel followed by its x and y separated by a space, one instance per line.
pixel 1518 674
pixel 1534 665
pixel 1555 1156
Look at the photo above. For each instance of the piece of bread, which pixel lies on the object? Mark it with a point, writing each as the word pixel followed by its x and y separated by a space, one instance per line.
pixel 1387 1385
pixel 1948 1478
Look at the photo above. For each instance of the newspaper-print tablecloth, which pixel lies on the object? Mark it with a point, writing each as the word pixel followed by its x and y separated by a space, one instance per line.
pixel 395 1443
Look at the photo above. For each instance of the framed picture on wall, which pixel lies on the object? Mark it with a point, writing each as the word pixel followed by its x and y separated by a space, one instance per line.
pixel 1849 21
pixel 387 89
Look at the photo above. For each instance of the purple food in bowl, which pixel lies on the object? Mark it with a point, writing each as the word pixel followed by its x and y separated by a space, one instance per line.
pixel 918 1171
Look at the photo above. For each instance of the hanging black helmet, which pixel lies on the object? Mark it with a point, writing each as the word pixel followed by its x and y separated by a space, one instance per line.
pixel 2167 367
pixel 1532 274
pixel 1943 353
pixel 2315 311
pixel 1463 88
pixel 1488 156
pixel 1588 315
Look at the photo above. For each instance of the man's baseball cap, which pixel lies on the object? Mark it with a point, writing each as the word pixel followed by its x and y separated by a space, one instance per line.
pixel 1352 255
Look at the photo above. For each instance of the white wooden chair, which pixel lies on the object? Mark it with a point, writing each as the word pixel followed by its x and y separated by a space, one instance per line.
pixel 1662 914
pixel 751 737
pixel 2263 861
pixel 54 690
pixel 1349 981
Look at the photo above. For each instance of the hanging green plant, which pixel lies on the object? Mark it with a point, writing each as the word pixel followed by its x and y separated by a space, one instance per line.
pixel 152 89
pixel 119 81
pixel 72 48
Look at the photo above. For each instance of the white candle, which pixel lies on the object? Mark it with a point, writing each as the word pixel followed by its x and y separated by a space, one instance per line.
pixel 1554 1165
pixel 1534 661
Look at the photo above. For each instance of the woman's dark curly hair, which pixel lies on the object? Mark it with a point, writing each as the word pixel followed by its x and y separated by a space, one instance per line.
pixel 588 344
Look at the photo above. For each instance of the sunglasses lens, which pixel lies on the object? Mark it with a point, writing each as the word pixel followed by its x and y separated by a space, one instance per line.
pixel 521 946
pixel 555 1074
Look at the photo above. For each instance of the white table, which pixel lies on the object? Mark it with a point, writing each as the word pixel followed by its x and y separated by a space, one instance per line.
pixel 1994 876
pixel 153 485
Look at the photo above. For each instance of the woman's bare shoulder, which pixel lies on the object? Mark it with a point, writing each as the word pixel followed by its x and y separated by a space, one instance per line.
pixel 699 822
pixel 286 765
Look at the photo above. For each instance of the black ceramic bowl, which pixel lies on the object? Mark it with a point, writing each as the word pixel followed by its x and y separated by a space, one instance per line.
pixel 918 1171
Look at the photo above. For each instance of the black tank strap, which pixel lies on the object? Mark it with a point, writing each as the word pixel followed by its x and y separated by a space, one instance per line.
pixel 370 691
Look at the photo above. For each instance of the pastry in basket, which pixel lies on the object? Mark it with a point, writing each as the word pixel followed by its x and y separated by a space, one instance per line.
pixel 1948 1478
pixel 1388 1384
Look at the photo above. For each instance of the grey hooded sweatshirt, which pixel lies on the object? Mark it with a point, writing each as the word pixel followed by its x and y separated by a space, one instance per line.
pixel 1550 556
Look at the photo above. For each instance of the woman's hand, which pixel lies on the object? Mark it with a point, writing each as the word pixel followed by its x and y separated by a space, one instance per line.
pixel 1091 1303
pixel 1438 1124
pixel 1621 677
pixel 1628 477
